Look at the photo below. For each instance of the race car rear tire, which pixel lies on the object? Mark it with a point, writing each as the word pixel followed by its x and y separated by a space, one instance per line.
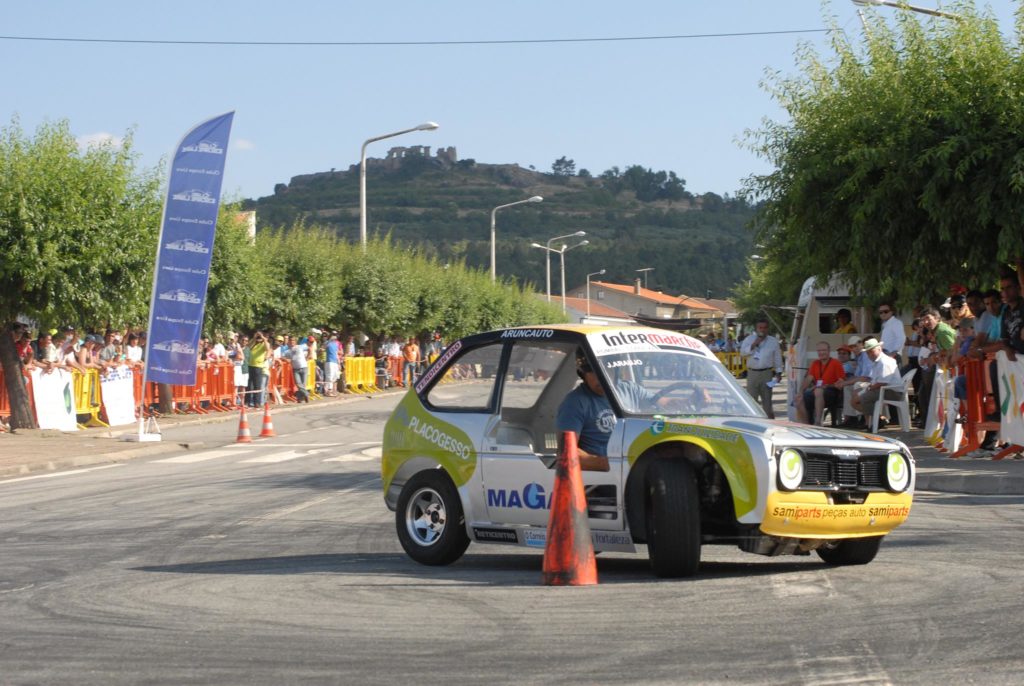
pixel 429 519
pixel 673 518
pixel 851 551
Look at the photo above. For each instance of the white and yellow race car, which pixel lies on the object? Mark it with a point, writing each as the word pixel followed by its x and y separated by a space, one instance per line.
pixel 468 455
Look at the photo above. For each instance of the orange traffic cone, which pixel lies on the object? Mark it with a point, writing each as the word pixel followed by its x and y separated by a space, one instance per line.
pixel 268 425
pixel 569 551
pixel 243 427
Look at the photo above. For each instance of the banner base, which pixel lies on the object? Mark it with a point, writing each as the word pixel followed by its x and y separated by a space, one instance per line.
pixel 149 432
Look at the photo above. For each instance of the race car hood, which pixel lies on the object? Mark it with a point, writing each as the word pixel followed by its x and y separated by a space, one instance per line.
pixel 789 433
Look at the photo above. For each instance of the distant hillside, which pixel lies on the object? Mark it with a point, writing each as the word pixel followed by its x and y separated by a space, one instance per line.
pixel 634 218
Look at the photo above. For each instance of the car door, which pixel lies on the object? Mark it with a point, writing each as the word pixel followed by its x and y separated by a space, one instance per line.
pixel 520 443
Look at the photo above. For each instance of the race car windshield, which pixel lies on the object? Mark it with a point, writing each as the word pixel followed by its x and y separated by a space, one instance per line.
pixel 675 383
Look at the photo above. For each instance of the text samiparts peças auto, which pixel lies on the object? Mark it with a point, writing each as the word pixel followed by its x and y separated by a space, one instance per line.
pixel 468 455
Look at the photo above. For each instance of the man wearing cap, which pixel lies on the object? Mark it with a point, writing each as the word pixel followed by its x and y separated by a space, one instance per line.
pixel 764 365
pixel 884 372
pixel 894 335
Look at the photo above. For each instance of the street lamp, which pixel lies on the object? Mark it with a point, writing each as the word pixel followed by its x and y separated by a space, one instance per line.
pixel 561 258
pixel 535 198
pixel 547 256
pixel 600 273
pixel 645 270
pixel 428 126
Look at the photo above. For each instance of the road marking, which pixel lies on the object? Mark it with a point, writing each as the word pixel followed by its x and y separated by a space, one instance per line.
pixel 851 662
pixel 199 457
pixel 351 457
pixel 281 457
pixel 802 585
pixel 67 473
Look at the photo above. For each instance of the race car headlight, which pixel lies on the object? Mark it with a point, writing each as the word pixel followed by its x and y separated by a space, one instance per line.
pixel 791 469
pixel 897 472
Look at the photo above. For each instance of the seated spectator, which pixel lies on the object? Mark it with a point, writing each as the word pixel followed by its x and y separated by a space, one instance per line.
pixel 855 383
pixel 819 389
pixel 844 354
pixel 884 372
pixel 844 322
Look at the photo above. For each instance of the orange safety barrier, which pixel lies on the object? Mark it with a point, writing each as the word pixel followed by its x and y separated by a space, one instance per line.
pixel 395 369
pixel 221 380
pixel 5 400
pixel 974 409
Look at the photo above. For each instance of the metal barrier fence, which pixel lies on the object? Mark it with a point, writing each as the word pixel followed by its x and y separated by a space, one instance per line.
pixel 734 362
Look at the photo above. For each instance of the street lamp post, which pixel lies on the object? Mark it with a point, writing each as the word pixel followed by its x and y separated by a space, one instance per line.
pixel 561 258
pixel 536 198
pixel 645 270
pixel 547 256
pixel 428 126
pixel 600 273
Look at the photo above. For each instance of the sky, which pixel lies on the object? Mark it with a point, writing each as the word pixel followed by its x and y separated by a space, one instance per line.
pixel 680 104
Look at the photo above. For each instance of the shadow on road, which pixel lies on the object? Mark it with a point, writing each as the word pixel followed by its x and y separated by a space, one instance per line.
pixel 472 570
pixel 326 481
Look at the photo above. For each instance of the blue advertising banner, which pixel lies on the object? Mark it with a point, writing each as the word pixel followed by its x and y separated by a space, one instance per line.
pixel 183 255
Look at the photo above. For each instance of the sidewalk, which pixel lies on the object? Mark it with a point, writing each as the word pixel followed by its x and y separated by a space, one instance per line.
pixel 938 472
pixel 28 453
pixel 41 451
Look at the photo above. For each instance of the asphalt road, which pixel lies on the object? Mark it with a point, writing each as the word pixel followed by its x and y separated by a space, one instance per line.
pixel 278 563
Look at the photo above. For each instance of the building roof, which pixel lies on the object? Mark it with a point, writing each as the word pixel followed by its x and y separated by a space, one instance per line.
pixel 597 308
pixel 657 296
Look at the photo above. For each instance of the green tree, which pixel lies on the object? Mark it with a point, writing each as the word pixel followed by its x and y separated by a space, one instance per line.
pixel 902 165
pixel 563 167
pixel 77 235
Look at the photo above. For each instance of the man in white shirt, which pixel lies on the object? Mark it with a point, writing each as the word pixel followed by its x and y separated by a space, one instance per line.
pixel 894 335
pixel 764 365
pixel 884 372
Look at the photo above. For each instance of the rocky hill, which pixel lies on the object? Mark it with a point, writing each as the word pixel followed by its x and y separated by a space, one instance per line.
pixel 441 205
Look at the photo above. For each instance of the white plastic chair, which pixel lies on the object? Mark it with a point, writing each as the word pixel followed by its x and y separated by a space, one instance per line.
pixel 902 403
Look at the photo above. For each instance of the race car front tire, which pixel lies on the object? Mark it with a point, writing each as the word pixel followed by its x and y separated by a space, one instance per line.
pixel 850 551
pixel 673 518
pixel 429 519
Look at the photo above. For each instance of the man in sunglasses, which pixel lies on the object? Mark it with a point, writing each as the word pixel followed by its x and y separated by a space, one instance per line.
pixel 894 335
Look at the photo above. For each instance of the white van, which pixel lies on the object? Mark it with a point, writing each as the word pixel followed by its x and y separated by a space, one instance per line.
pixel 814 321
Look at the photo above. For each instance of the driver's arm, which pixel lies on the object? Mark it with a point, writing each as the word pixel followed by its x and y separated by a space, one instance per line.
pixel 592 463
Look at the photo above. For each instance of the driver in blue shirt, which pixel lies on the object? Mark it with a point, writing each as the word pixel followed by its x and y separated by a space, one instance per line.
pixel 587 413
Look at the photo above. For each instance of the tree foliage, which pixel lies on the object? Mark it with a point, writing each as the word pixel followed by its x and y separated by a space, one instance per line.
pixel 902 164
pixel 77 228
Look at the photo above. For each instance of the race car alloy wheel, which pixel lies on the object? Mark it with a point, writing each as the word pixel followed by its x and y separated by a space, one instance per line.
pixel 673 518
pixel 431 525
pixel 850 551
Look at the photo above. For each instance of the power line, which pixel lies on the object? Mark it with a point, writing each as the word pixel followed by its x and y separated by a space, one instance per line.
pixel 609 39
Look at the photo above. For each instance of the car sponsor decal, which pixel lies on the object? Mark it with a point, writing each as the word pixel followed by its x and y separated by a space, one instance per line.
pixel 612 342
pixel 429 375
pixel 495 535
pixel 530 497
pixel 528 333
pixel 808 514
pixel 619 541
pixel 413 432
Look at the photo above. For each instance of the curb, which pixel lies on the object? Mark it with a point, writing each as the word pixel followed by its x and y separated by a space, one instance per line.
pixel 968 481
pixel 115 453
